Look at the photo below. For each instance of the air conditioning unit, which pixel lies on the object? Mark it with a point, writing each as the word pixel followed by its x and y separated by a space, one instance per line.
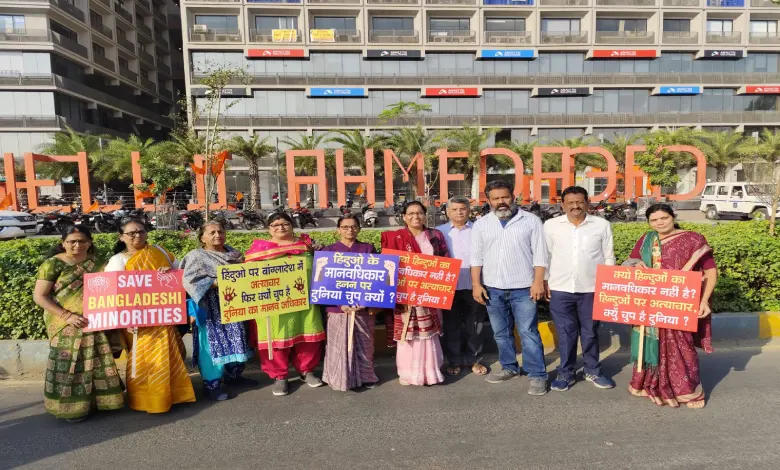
pixel 200 28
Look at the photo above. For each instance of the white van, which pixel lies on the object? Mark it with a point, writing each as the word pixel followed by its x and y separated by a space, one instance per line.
pixel 747 200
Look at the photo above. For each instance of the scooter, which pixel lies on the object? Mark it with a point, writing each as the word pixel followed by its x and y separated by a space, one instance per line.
pixel 252 220
pixel 370 216
pixel 302 217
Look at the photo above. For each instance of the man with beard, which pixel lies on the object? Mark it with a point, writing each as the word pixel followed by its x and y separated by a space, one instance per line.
pixel 577 243
pixel 508 260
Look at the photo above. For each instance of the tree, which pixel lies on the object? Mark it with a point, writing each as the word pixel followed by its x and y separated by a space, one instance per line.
pixel 471 140
pixel 582 160
pixel 524 150
pixel 354 144
pixel 67 142
pixel 676 136
pixel 408 142
pixel 404 109
pixel 617 147
pixel 114 162
pixel 252 150
pixel 660 167
pixel 768 150
pixel 722 150
pixel 308 165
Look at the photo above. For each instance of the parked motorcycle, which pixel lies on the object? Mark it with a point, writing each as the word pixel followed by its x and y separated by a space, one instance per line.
pixel 370 216
pixel 224 217
pixel 252 220
pixel 398 210
pixel 302 217
pixel 190 220
pixel 441 213
pixel 102 222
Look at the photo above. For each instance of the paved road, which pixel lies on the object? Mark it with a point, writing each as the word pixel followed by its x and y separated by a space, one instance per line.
pixel 467 424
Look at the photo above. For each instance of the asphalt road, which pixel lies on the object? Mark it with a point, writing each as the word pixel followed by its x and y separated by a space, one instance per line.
pixel 465 423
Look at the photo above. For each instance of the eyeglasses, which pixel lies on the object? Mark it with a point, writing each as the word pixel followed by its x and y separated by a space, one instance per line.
pixel 77 242
pixel 412 214
pixel 353 228
pixel 279 226
pixel 137 233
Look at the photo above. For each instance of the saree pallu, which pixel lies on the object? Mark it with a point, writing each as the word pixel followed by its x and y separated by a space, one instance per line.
pixel 161 379
pixel 80 370
pixel 671 377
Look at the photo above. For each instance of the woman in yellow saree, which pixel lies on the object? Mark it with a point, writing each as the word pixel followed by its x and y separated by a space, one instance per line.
pixel 161 378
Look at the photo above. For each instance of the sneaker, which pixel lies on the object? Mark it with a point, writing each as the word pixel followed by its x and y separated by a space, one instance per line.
pixel 371 385
pixel 242 381
pixel 280 387
pixel 500 376
pixel 600 381
pixel 562 383
pixel 219 394
pixel 75 420
pixel 538 386
pixel 312 380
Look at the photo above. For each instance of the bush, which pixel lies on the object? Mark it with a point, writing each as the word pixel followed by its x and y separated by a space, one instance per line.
pixel 748 262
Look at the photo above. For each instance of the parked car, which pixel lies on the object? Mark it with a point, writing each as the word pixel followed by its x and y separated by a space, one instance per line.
pixel 740 199
pixel 16 225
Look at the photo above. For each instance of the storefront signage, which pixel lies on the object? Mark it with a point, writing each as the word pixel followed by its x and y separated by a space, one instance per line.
pixel 393 54
pixel 338 92
pixel 723 54
pixel 507 54
pixel 679 90
pixel 275 53
pixel 233 91
pixel 762 90
pixel 451 92
pixel 625 54
pixel 570 91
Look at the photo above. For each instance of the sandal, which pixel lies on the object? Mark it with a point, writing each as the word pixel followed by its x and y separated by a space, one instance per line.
pixel 479 369
pixel 453 371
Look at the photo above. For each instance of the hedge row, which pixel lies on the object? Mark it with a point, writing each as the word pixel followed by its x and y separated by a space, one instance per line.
pixel 748 260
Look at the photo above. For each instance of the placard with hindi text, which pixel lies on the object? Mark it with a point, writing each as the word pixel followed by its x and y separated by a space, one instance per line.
pixel 367 280
pixel 426 281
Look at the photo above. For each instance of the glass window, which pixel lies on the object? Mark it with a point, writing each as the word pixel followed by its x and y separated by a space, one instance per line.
pixel 635 25
pixel 677 25
pixel 449 24
pixel 333 22
pixel 217 21
pixel 561 25
pixel 504 24
pixel 719 26
pixel 763 26
pixel 98 50
pixel 12 23
pixel 276 22
pixel 124 63
pixel 723 191
pixel 607 25
pixel 709 190
pixel 393 23
pixel 737 191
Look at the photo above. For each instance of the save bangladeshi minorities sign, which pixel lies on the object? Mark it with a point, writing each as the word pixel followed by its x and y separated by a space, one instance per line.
pixel 354 279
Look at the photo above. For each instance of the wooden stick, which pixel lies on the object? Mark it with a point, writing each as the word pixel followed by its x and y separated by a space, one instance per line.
pixel 641 354
pixel 135 353
pixel 268 334
pixel 407 317
pixel 351 333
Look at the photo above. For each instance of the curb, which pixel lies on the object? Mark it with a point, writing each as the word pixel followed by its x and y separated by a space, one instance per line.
pixel 22 357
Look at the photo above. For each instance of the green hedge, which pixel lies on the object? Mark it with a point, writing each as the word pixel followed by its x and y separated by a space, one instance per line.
pixel 748 260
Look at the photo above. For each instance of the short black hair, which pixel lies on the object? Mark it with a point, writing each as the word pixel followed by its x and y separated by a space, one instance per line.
pixel 348 217
pixel 574 190
pixel 661 207
pixel 499 184
pixel 71 229
pixel 279 215
pixel 409 204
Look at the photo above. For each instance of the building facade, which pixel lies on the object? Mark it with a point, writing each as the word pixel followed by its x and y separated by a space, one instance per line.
pixel 540 70
pixel 99 66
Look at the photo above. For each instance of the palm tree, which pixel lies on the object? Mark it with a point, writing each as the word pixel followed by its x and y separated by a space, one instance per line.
pixel 617 147
pixel 470 140
pixel 354 144
pixel 67 142
pixel 676 136
pixel 409 141
pixel 308 165
pixel 524 150
pixel 768 149
pixel 114 161
pixel 581 161
pixel 252 150
pixel 722 149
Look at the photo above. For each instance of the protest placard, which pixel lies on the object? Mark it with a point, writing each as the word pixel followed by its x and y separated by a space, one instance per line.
pixel 426 281
pixel 131 299
pixel 367 280
pixel 662 298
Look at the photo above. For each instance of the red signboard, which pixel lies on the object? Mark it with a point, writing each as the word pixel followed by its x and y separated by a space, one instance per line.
pixel 426 281
pixel 129 299
pixel 663 298
pixel 762 90
pixel 274 53
pixel 444 92
pixel 625 54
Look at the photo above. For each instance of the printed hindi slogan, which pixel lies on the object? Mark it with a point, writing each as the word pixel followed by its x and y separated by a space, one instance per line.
pixel 426 281
pixel 366 280
pixel 130 299
pixel 662 298
pixel 263 289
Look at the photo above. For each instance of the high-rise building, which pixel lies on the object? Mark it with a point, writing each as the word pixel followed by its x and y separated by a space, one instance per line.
pixel 536 69
pixel 103 66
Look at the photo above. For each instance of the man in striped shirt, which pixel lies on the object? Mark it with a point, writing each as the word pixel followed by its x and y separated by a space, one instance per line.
pixel 509 256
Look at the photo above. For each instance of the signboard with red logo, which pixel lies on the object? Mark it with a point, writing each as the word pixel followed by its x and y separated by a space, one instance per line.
pixel 443 92
pixel 762 90
pixel 275 53
pixel 625 53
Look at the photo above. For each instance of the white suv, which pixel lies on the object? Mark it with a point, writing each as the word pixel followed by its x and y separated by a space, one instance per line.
pixel 747 200
pixel 16 225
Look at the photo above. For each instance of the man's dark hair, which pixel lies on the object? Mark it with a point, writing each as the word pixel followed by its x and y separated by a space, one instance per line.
pixel 574 190
pixel 499 184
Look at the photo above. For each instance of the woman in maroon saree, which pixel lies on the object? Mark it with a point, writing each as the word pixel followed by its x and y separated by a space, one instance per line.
pixel 670 375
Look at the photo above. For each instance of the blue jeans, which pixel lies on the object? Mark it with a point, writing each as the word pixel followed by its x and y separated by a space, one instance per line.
pixel 572 315
pixel 510 307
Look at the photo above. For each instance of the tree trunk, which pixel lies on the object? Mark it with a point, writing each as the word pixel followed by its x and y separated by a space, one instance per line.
pixel 254 186
pixel 721 172
pixel 773 209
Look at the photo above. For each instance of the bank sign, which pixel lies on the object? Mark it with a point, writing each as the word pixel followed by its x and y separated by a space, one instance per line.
pixel 762 90
pixel 393 54
pixel 507 54
pixel 338 92
pixel 679 90
pixel 563 91
pixel 723 54
pixel 452 92
pixel 625 54
pixel 275 53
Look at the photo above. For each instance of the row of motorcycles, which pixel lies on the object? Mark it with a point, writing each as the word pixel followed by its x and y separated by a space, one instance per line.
pixel 51 223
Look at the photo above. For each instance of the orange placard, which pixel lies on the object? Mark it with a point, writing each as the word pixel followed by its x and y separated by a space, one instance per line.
pixel 664 298
pixel 426 281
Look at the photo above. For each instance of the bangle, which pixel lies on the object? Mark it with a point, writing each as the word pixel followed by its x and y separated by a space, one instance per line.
pixel 65 314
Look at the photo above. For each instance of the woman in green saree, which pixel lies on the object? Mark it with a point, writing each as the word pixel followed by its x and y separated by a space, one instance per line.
pixel 80 371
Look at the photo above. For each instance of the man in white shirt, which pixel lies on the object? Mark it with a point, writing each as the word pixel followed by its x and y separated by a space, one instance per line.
pixel 508 254
pixel 577 243
pixel 467 316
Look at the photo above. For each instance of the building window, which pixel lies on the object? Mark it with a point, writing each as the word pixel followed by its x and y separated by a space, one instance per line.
pixel 505 24
pixel 392 24
pixel 63 31
pixel 144 73
pixel 218 22
pixel 561 25
pixel 121 34
pixel 763 28
pixel 449 24
pixel 720 26
pixel 123 63
pixel 276 22
pixel 12 23
pixel 333 22
pixel 613 25
pixel 95 19
pixel 677 25
pixel 97 49
pixel 139 19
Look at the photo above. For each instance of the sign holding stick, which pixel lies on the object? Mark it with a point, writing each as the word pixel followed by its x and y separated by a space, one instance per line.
pixel 367 280
pixel 407 318
pixel 426 281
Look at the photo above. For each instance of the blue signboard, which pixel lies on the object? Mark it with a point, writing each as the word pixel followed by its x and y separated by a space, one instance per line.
pixel 509 2
pixel 366 280
pixel 679 90
pixel 507 54
pixel 338 92
pixel 725 3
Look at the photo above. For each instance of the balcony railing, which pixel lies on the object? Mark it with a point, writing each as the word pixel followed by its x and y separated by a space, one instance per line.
pixel 561 3
pixel 32 122
pixel 682 3
pixel 145 30
pixel 725 37
pixel 30 35
pixel 128 74
pixel 281 36
pixel 71 9
pixel 764 38
pixel 125 43
pixel 161 17
pixel 164 68
pixel 104 62
pixel 161 40
pixel 627 3
pixel 105 3
pixel 452 36
pixel 148 84
pixel 762 3
pixel 216 35
pixel 145 56
pixel 393 36
pixel 680 37
pixel 393 2
pixel 26 80
pixel 144 5
pixel 339 35
pixel 450 2
pixel 350 2
pixel 564 37
pixel 508 37
pixel 506 120
pixel 104 30
pixel 69 44
pixel 124 14
pixel 625 37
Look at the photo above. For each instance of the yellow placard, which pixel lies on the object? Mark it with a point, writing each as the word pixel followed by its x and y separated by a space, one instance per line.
pixel 263 289
pixel 322 35
pixel 284 35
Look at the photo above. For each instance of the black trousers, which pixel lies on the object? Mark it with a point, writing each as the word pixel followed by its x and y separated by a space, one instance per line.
pixel 463 340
